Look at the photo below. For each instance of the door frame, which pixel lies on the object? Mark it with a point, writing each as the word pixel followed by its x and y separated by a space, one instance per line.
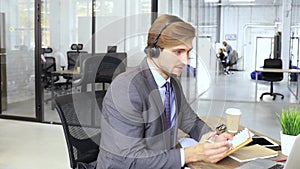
pixel 39 107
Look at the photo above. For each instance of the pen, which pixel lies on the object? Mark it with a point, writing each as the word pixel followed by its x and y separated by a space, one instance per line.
pixel 212 138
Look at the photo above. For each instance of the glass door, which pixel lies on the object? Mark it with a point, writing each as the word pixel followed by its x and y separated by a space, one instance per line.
pixel 17 58
pixel 63 23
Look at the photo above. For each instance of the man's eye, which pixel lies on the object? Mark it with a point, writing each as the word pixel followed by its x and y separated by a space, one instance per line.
pixel 178 52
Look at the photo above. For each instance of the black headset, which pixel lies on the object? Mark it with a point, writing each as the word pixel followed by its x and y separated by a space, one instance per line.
pixel 154 50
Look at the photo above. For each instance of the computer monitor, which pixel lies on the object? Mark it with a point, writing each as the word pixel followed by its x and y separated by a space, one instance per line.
pixel 111 49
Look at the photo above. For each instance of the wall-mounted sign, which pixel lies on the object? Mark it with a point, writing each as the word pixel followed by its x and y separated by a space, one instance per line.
pixel 230 37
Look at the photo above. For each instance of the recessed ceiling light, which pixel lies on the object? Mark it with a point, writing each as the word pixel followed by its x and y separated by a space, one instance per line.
pixel 211 0
pixel 241 0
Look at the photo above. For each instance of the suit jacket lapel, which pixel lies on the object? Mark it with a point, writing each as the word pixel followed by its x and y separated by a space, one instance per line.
pixel 177 93
pixel 154 91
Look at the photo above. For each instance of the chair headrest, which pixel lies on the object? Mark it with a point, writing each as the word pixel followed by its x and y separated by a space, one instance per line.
pixel 47 50
pixel 77 46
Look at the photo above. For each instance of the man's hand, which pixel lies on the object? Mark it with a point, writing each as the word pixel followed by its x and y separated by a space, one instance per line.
pixel 209 151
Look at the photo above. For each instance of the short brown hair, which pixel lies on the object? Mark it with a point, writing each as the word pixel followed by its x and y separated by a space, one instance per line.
pixel 175 33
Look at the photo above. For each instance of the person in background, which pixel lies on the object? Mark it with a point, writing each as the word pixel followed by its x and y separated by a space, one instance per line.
pixel 230 54
pixel 144 108
pixel 228 48
pixel 223 59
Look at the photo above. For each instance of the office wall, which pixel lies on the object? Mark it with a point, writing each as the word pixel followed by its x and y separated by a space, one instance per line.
pixel 262 19
pixel 247 23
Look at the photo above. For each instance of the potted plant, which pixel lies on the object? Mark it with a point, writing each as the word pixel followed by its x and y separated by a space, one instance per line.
pixel 290 127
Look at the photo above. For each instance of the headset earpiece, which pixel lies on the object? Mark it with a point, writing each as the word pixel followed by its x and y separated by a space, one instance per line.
pixel 154 52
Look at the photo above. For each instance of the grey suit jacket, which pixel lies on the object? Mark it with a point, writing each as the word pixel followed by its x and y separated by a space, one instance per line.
pixel 134 132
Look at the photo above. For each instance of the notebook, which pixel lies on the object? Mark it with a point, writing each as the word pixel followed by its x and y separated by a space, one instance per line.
pixel 240 140
pixel 253 152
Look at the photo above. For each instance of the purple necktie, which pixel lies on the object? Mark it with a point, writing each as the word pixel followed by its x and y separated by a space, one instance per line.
pixel 167 105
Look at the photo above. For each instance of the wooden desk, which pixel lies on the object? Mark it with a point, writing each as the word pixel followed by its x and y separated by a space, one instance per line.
pixel 227 162
pixel 64 72
pixel 278 71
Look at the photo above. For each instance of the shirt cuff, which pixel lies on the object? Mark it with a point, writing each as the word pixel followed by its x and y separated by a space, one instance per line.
pixel 182 157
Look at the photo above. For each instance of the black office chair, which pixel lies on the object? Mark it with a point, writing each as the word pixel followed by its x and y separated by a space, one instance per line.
pixel 49 81
pixel 101 68
pixel 81 126
pixel 111 66
pixel 47 67
pixel 74 58
pixel 271 76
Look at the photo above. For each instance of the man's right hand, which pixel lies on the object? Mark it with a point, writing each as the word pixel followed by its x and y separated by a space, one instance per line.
pixel 208 151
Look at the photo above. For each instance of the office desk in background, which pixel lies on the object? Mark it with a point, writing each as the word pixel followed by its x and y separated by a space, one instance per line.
pixel 227 162
pixel 296 94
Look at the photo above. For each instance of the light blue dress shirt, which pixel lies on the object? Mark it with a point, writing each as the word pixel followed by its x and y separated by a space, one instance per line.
pixel 160 81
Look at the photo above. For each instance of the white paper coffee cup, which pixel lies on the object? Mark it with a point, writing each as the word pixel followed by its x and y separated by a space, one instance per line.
pixel 233 116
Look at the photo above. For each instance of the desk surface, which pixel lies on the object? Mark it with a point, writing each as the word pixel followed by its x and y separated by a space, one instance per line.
pixel 226 163
pixel 65 72
pixel 277 70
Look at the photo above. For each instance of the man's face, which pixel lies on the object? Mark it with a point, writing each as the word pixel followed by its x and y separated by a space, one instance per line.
pixel 174 59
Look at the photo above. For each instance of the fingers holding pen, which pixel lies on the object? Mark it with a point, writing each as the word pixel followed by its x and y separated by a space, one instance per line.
pixel 217 146
pixel 216 151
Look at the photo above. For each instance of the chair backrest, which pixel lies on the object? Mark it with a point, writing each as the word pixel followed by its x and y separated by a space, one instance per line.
pixel 74 58
pixel 80 118
pixel 102 68
pixel 233 58
pixel 47 67
pixel 272 64
pixel 111 66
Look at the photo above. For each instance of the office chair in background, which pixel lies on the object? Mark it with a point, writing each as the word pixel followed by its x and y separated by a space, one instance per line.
pixel 74 58
pixel 271 76
pixel 101 68
pixel 111 66
pixel 51 82
pixel 48 66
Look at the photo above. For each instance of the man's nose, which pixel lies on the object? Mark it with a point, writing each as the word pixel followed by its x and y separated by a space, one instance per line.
pixel 184 58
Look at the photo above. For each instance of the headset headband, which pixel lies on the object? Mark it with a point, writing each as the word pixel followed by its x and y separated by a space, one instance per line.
pixel 173 20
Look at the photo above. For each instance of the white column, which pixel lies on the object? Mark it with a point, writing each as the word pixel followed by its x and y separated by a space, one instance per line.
pixel 286 32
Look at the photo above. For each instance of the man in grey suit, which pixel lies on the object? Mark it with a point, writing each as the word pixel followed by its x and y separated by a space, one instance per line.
pixel 139 122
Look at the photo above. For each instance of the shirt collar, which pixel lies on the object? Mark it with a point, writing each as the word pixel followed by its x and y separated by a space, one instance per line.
pixel 160 81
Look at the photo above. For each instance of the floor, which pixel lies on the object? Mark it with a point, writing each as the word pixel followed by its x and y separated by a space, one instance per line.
pixel 27 145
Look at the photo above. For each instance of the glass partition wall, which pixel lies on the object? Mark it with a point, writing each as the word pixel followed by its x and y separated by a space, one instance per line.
pixel 202 63
pixel 17 41
pixel 100 23
pixel 96 24
pixel 63 23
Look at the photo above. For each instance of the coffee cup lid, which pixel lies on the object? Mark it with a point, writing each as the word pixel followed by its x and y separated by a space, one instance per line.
pixel 233 111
